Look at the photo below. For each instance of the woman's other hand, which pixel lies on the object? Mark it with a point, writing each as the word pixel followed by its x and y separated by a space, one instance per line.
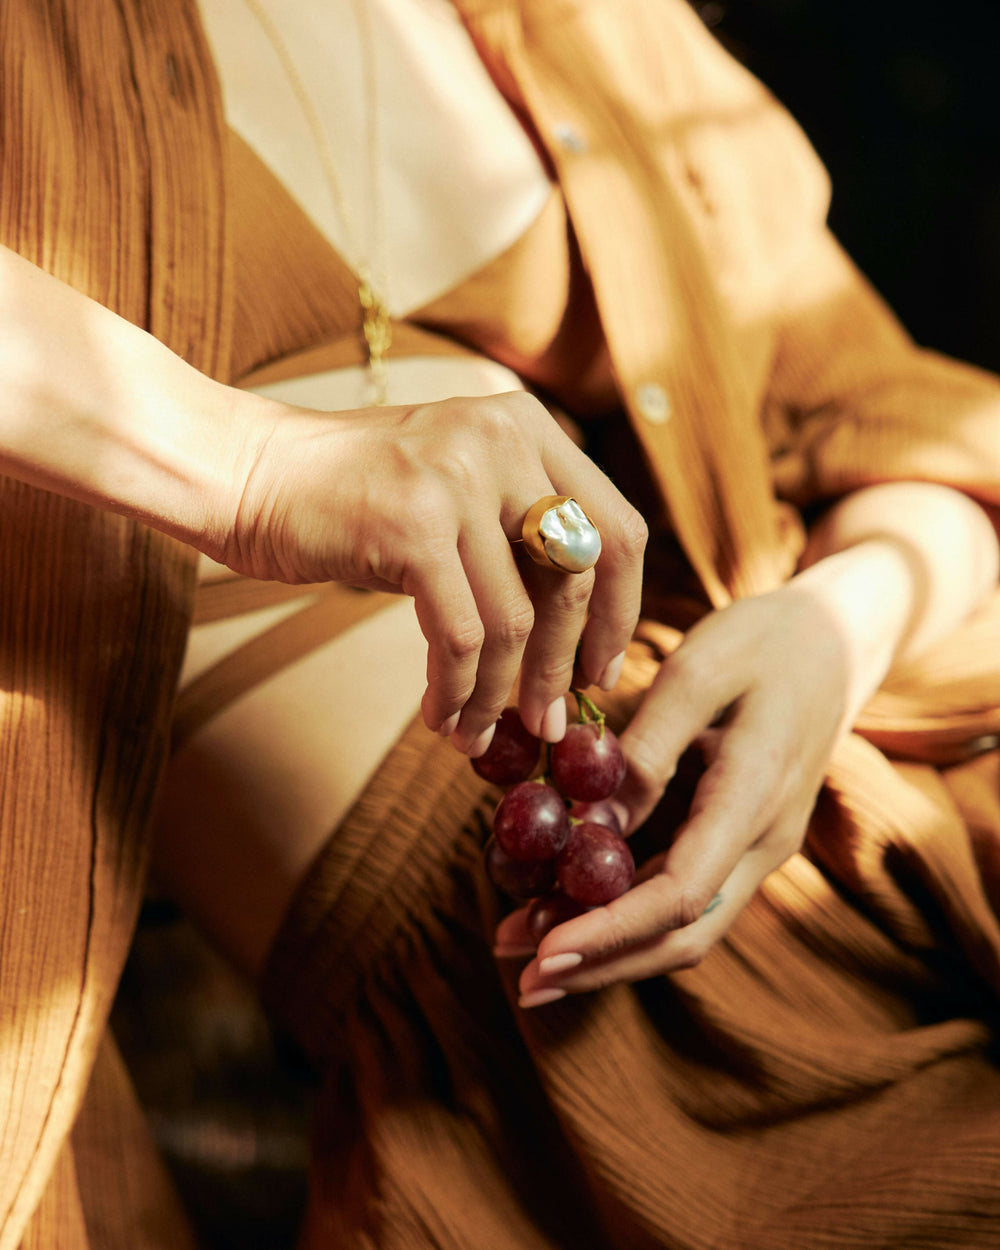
pixel 427 500
pixel 765 687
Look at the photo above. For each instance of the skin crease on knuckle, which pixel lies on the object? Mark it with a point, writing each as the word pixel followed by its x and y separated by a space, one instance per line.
pixel 514 627
pixel 573 593
pixel 503 422
pixel 464 639
pixel 633 535
pixel 553 674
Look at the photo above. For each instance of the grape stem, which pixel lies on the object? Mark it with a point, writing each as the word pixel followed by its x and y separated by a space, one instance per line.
pixel 588 712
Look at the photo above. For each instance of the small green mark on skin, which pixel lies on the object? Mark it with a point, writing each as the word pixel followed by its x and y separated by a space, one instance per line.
pixel 713 904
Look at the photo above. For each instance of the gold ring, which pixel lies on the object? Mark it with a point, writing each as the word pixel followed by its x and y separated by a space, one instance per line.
pixel 559 535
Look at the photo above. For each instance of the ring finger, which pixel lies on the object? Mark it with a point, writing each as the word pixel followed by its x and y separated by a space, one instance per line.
pixel 560 601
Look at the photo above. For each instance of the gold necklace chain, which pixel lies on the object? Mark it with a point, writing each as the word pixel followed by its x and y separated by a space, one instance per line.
pixel 376 325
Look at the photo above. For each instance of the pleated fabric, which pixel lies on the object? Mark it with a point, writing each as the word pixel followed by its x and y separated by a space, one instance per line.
pixel 827 1078
pixel 110 178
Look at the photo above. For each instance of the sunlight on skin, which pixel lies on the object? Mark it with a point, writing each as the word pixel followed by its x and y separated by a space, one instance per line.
pixel 251 799
pixel 889 571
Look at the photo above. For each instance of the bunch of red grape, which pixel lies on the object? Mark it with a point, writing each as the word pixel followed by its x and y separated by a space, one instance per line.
pixel 556 839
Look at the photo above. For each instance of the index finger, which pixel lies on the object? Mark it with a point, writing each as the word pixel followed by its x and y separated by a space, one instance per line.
pixel 733 807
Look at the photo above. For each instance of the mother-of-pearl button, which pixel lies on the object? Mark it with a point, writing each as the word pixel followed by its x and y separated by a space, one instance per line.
pixel 653 403
pixel 569 138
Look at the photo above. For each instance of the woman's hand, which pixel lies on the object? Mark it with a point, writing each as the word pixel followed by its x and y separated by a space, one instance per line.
pixel 427 500
pixel 765 687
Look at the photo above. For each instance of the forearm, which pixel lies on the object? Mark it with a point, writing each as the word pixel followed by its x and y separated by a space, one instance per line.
pixel 900 565
pixel 97 409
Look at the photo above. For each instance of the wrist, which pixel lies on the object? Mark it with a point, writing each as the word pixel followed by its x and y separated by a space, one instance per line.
pixel 870 593
pixel 99 410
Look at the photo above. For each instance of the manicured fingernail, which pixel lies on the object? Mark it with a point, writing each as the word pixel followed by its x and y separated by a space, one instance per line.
pixel 450 725
pixel 612 671
pixel 559 963
pixel 513 952
pixel 477 747
pixel 554 721
pixel 538 998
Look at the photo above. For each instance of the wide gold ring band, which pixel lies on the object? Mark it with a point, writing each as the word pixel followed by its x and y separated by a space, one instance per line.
pixel 560 536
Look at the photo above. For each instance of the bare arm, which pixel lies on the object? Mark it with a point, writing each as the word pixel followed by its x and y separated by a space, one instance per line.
pixel 97 409
pixel 913 560
pixel 423 499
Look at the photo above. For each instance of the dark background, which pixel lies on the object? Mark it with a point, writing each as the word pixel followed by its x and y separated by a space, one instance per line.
pixel 901 101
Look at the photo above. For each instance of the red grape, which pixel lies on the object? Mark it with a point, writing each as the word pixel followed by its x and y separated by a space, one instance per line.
pixel 600 812
pixel 513 752
pixel 545 913
pixel 520 878
pixel 587 764
pixel 531 821
pixel 595 866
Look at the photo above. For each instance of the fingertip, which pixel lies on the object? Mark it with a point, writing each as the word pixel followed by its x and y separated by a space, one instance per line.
pixel 513 952
pixel 622 812
pixel 612 671
pixel 600 657
pixel 540 997
pixel 479 745
pixel 553 726
pixel 433 714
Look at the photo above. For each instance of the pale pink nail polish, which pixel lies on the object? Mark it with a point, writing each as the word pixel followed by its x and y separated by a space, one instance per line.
pixel 559 963
pixel 449 726
pixel 554 721
pixel 538 998
pixel 612 671
pixel 481 743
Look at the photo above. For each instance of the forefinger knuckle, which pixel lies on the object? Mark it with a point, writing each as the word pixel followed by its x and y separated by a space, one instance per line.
pixel 503 418
pixel 629 534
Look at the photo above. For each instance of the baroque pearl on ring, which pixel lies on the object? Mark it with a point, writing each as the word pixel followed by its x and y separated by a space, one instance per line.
pixel 559 535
